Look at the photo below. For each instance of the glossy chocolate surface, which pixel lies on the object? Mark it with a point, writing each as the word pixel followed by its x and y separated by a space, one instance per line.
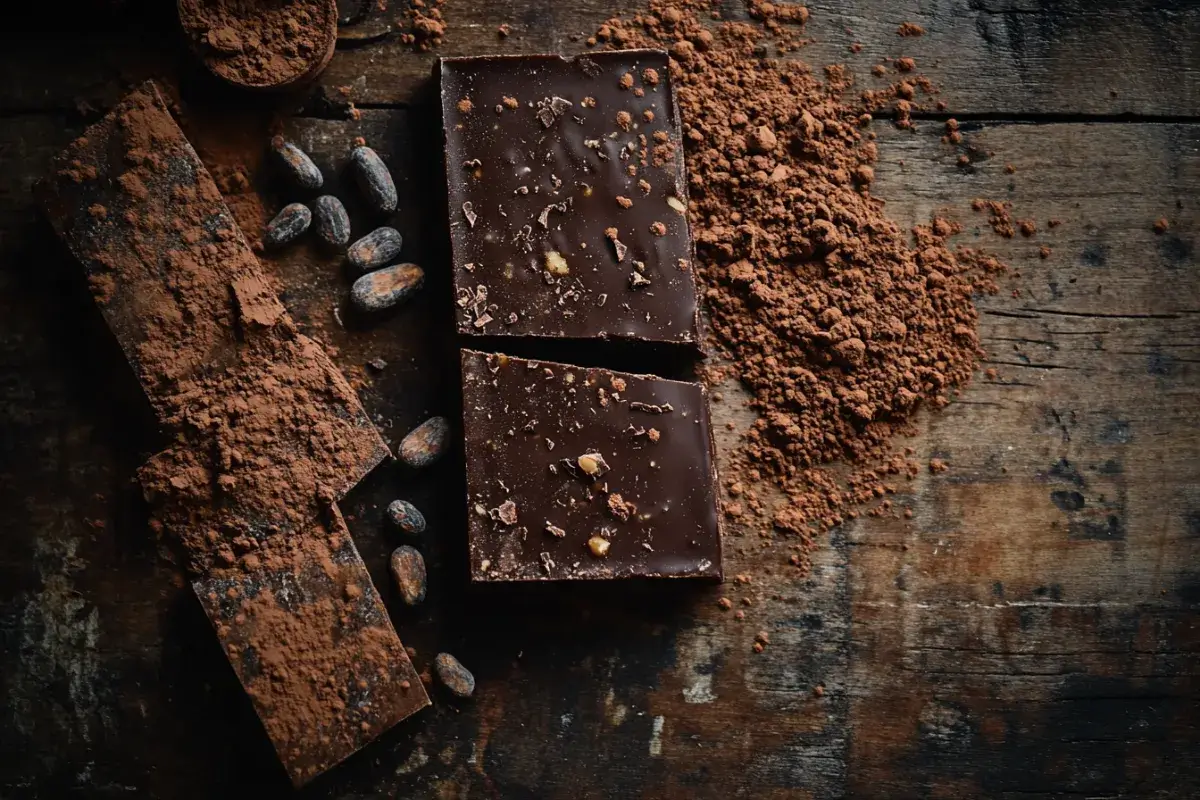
pixel 532 504
pixel 567 197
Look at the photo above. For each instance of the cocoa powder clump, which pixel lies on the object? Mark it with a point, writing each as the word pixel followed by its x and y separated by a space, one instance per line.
pixel 260 42
pixel 838 323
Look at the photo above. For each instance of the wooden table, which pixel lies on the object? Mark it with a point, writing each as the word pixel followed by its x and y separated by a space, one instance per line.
pixel 1032 630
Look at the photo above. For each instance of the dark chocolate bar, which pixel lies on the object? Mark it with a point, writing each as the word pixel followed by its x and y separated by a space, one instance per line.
pixel 584 473
pixel 567 197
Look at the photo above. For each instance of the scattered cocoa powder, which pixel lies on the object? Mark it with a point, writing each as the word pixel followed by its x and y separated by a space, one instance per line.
pixel 838 323
pixel 261 42
pixel 424 26
pixel 910 29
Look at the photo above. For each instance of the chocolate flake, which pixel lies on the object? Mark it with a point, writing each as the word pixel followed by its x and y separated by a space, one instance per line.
pixel 505 513
pixel 637 280
pixel 555 531
pixel 650 408
pixel 468 210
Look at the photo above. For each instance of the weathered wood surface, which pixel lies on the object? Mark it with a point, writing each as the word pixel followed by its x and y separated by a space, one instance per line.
pixel 992 57
pixel 1033 630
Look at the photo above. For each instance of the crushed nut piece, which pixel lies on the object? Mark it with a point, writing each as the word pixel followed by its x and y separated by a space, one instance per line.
pixel 556 264
pixel 598 545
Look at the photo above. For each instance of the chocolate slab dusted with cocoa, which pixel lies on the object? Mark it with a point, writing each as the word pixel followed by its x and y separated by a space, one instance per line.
pixel 266 435
pixel 579 473
pixel 567 198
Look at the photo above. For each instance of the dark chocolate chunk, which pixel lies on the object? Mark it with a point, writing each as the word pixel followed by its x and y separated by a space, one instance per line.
pixel 375 249
pixel 374 180
pixel 296 165
pixel 333 223
pixel 408 570
pixel 453 675
pixel 385 288
pixel 425 443
pixel 288 225
pixel 540 197
pixel 405 516
pixel 566 478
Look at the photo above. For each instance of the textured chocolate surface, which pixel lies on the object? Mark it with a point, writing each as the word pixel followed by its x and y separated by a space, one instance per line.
pixel 580 158
pixel 532 507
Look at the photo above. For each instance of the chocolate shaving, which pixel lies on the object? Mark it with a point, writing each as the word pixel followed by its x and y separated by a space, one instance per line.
pixel 637 280
pixel 649 408
pixel 468 210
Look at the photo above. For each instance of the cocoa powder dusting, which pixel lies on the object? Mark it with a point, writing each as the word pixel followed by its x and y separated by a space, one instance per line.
pixel 838 323
pixel 260 42
pixel 266 435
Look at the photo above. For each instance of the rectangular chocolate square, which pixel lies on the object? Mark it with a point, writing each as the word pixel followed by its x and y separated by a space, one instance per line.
pixel 558 454
pixel 567 197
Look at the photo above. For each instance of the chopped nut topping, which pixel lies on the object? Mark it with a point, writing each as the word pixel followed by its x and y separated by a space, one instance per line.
pixel 619 508
pixel 650 76
pixel 618 384
pixel 648 115
pixel 465 106
pixel 677 204
pixel 556 264
pixel 653 435
pixel 555 531
pixel 510 102
pixel 662 137
pixel 637 280
pixel 626 81
pixel 624 120
pixel 592 464
pixel 506 513
pixel 644 185
pixel 598 546
pixel 624 202
pixel 588 102
pixel 658 229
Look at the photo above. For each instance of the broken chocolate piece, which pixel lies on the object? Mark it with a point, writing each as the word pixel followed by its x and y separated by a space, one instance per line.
pixel 249 484
pixel 652 504
pixel 557 178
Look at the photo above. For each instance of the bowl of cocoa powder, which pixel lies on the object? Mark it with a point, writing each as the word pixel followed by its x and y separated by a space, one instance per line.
pixel 261 44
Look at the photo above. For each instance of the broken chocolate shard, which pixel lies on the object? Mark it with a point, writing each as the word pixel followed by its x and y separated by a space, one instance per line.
pixel 535 165
pixel 651 504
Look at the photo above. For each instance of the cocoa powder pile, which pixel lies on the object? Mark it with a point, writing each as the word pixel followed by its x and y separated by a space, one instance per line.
pixel 840 324
pixel 261 42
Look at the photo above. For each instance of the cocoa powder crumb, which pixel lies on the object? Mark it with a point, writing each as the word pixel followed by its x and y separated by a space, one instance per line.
pixel 838 323
pixel 1161 225
pixel 910 29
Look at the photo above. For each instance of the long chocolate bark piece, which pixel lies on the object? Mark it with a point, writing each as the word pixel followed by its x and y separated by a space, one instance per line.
pixel 266 434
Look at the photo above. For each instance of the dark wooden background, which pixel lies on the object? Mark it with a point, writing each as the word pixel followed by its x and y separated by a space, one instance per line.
pixel 1033 631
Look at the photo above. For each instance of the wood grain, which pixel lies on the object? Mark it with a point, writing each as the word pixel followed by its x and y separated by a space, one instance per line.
pixel 995 58
pixel 1032 631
